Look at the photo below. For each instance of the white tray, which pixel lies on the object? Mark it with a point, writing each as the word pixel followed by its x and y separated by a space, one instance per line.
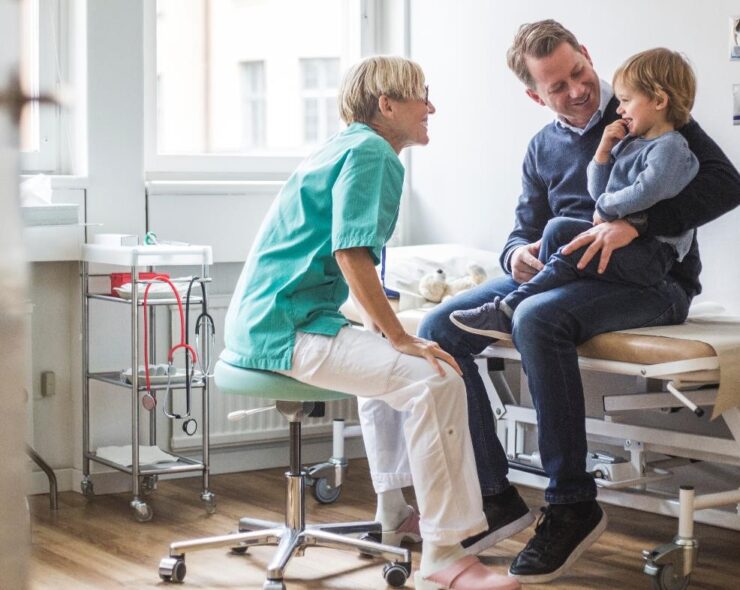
pixel 159 379
pixel 156 291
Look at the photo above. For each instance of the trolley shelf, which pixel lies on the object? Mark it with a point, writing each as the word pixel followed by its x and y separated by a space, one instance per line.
pixel 151 301
pixel 179 465
pixel 115 378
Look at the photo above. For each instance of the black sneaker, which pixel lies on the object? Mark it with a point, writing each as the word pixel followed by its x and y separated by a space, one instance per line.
pixel 507 514
pixel 562 534
pixel 487 320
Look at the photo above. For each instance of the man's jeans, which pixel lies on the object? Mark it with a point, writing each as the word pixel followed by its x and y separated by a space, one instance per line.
pixel 546 328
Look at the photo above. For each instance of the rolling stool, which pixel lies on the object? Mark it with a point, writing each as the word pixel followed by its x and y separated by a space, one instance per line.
pixel 294 400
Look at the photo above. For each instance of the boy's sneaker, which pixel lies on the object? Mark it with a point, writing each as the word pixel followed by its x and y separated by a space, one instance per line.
pixel 487 320
pixel 506 517
pixel 563 533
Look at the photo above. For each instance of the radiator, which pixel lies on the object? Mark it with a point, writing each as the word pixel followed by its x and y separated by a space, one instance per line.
pixel 258 428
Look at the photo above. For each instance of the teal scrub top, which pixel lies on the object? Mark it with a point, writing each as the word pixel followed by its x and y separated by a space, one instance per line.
pixel 345 195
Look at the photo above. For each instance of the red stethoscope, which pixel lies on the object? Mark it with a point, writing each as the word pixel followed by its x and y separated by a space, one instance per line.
pixel 149 400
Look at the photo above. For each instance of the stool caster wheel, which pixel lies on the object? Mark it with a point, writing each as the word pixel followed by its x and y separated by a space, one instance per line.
pixel 172 569
pixel 325 493
pixel 396 573
pixel 142 511
pixel 239 549
pixel 86 487
pixel 210 501
pixel 667 578
pixel 273 585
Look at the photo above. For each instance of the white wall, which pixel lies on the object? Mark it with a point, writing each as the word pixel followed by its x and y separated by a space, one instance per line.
pixel 115 198
pixel 467 181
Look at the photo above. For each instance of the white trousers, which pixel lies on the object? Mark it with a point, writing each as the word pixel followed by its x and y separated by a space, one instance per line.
pixel 436 426
pixel 385 444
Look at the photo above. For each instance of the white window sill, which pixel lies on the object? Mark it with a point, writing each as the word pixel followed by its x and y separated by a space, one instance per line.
pixel 63 181
pixel 214 187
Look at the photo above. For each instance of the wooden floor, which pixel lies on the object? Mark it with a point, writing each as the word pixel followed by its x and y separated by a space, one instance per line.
pixel 96 544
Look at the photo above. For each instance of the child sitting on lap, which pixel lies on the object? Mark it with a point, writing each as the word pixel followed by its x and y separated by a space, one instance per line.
pixel 641 160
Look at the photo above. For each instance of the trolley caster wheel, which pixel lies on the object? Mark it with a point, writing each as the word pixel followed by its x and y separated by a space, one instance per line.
pixel 209 498
pixel 396 573
pixel 375 538
pixel 273 585
pixel 142 511
pixel 667 578
pixel 148 484
pixel 172 569
pixel 86 487
pixel 325 493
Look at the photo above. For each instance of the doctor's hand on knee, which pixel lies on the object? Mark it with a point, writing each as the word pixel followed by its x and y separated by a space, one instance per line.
pixel 602 239
pixel 427 349
pixel 524 262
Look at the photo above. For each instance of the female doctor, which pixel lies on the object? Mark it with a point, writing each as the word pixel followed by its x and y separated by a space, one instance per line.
pixel 322 239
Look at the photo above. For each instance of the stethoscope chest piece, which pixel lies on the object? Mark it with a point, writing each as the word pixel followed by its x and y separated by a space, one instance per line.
pixel 190 426
pixel 148 401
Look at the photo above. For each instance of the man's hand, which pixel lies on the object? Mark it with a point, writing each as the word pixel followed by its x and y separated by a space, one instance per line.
pixel 425 349
pixel 613 134
pixel 524 262
pixel 605 238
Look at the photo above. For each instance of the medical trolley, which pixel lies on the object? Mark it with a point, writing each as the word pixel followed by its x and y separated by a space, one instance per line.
pixel 150 392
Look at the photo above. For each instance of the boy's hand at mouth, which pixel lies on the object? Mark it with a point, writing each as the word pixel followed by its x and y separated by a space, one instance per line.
pixel 613 134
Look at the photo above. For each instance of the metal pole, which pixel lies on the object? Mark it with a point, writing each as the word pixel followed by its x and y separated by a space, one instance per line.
pixel 85 371
pixel 206 353
pixel 135 383
pixel 295 498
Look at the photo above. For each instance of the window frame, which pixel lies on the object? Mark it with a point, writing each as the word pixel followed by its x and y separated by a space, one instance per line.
pixel 218 166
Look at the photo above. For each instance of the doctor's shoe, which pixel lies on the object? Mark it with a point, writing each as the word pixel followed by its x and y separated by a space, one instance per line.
pixel 408 530
pixel 507 514
pixel 487 320
pixel 563 533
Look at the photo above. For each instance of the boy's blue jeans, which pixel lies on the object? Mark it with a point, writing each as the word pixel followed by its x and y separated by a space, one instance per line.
pixel 546 328
pixel 644 262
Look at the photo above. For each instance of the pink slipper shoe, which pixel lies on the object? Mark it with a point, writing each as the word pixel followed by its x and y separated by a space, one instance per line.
pixel 467 573
pixel 408 530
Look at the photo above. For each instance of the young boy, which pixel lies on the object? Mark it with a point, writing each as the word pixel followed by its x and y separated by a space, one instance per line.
pixel 641 160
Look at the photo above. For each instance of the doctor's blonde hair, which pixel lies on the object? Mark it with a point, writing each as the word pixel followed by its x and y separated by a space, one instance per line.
pixel 661 70
pixel 366 81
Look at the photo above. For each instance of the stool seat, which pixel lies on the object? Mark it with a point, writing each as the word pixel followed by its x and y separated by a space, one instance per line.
pixel 269 385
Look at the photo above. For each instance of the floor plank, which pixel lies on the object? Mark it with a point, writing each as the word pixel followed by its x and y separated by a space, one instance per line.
pixel 96 544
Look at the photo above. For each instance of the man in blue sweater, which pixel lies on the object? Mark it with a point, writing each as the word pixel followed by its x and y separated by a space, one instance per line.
pixel 546 328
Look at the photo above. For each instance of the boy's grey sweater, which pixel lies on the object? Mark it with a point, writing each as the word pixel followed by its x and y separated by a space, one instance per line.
pixel 640 173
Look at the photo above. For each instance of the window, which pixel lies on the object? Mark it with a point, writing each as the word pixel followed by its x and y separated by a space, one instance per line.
pixel 47 31
pixel 251 81
pixel 253 105
pixel 319 90
pixel 29 75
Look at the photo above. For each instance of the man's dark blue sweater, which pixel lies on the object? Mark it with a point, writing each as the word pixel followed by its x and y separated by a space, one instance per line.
pixel 554 185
